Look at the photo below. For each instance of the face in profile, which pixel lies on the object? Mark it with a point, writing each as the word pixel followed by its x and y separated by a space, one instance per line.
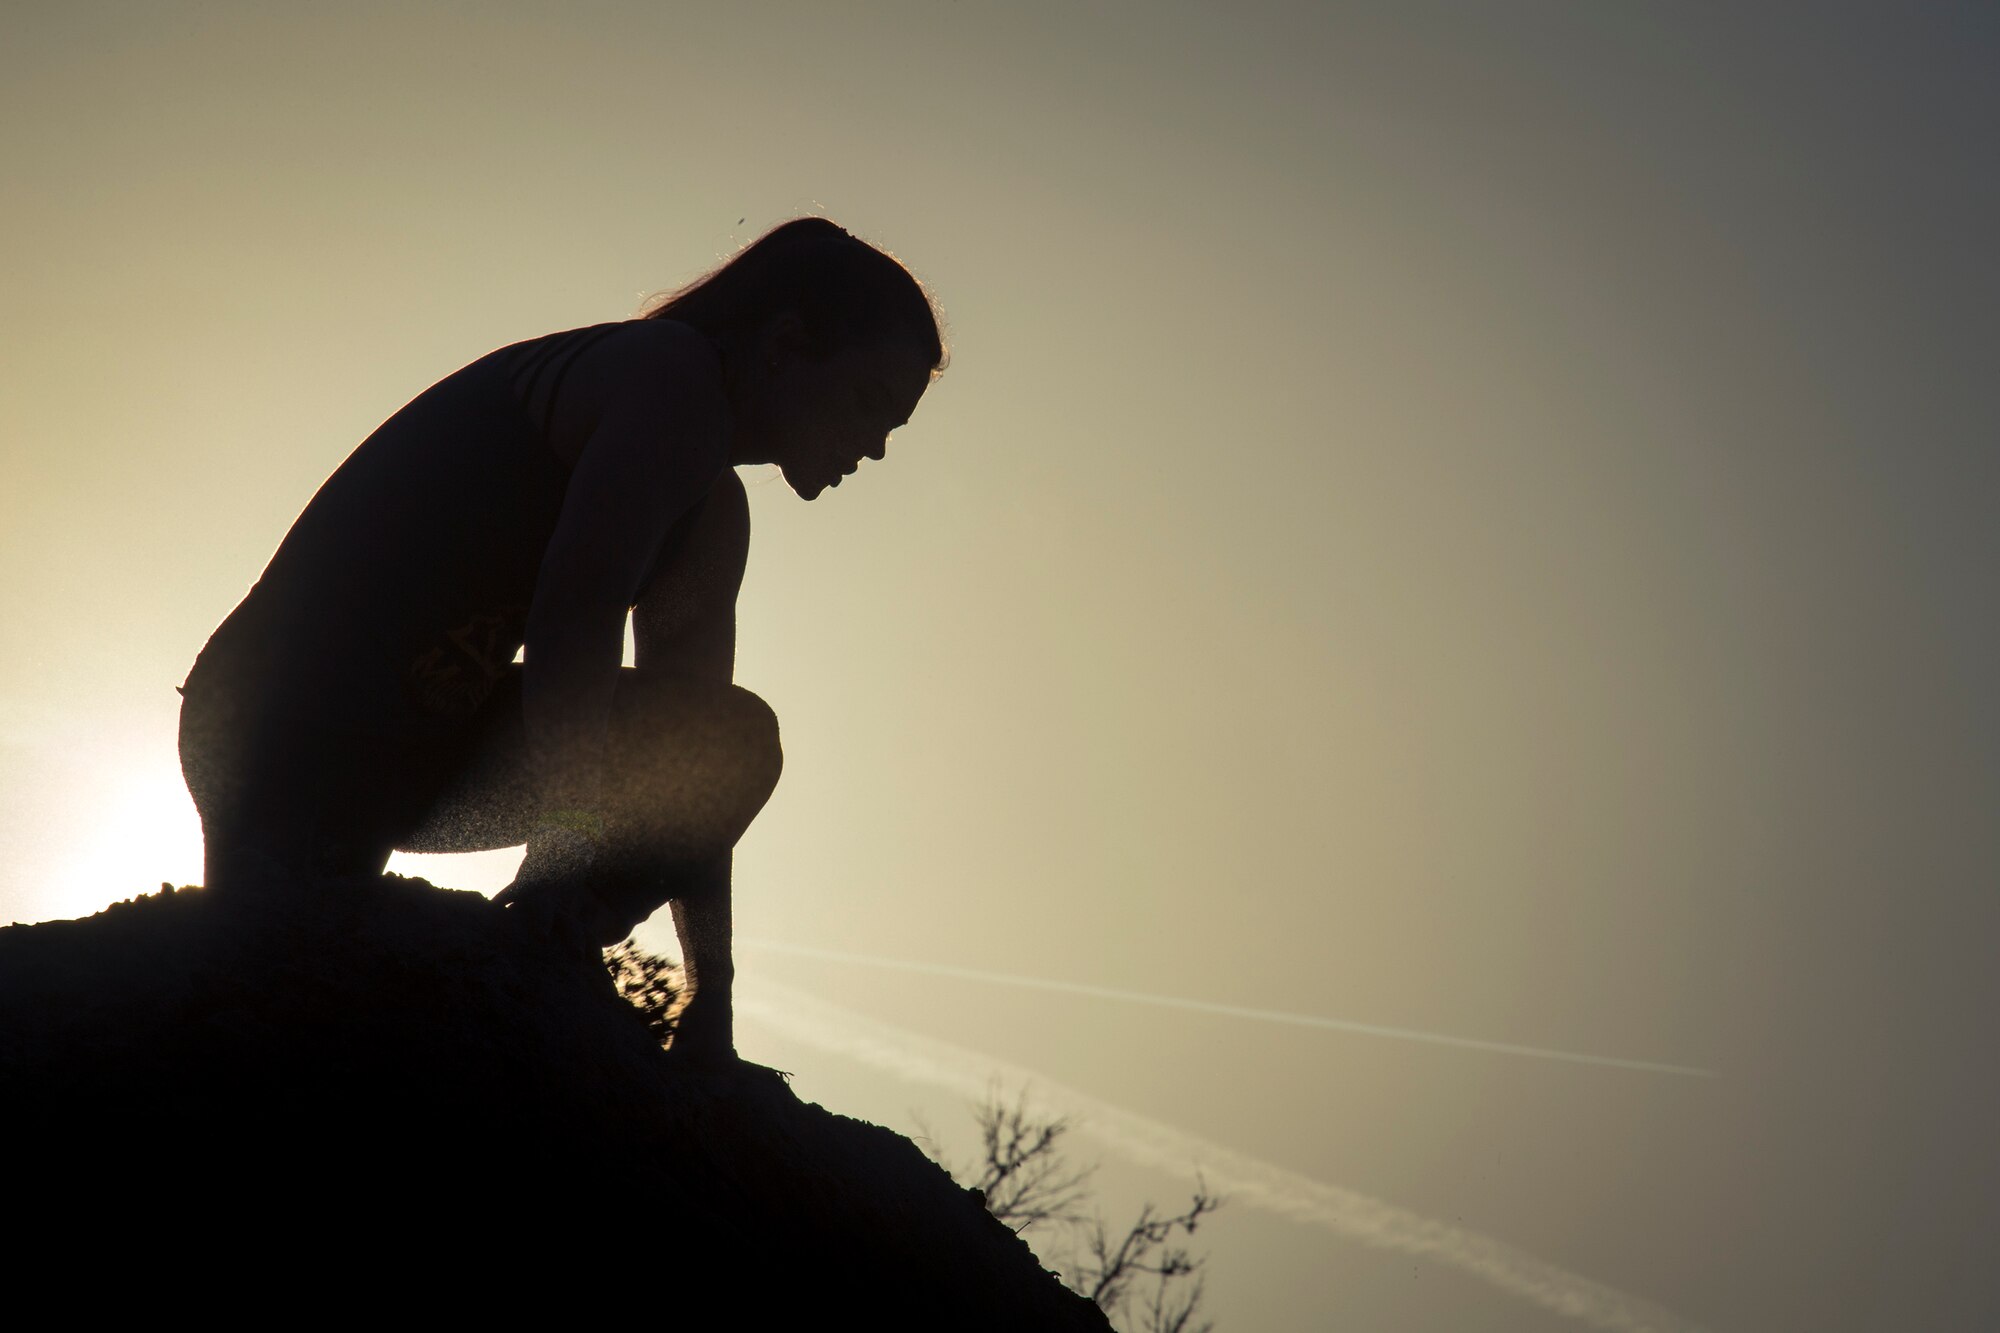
pixel 825 416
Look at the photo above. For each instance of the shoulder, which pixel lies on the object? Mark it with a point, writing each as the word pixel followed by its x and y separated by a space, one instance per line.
pixel 641 359
pixel 668 341
pixel 645 378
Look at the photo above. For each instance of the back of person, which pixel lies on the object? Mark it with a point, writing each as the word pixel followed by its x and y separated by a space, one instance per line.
pixel 418 556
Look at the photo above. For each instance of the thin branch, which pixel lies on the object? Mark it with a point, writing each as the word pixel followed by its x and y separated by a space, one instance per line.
pixel 1147 1248
pixel 1022 1174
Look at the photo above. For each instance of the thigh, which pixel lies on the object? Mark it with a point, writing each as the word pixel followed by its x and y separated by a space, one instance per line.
pixel 688 765
pixel 479 786
pixel 293 757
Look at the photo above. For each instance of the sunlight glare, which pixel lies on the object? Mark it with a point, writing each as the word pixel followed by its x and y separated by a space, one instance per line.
pixel 143 833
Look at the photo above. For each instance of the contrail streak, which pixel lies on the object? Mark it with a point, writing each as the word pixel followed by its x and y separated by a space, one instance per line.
pixel 814 1022
pixel 1225 1010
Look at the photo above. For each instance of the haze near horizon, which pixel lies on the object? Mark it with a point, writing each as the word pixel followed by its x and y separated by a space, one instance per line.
pixel 1462 520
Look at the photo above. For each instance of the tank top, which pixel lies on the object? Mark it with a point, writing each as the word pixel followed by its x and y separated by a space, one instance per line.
pixel 411 571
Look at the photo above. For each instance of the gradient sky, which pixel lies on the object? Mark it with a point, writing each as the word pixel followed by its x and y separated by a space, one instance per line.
pixel 1468 518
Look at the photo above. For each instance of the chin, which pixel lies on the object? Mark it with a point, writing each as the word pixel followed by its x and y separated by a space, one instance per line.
pixel 805 490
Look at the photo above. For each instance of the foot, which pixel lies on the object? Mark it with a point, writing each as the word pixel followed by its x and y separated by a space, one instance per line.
pixel 559 913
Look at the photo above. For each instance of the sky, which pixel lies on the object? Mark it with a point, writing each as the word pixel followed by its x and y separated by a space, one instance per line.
pixel 1458 521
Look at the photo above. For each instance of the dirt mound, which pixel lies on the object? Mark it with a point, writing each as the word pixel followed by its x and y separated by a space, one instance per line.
pixel 323 1077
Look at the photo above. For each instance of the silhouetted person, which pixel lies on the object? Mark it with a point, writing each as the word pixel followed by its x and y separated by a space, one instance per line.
pixel 364 697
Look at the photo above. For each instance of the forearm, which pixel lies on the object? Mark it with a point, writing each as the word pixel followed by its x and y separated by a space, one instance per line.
pixel 569 675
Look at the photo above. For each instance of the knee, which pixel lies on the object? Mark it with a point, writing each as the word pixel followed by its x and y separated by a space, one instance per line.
pixel 688 781
pixel 697 741
pixel 756 730
pixel 745 757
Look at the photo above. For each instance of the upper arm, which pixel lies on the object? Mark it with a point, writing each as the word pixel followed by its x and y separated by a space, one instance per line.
pixel 643 413
pixel 686 621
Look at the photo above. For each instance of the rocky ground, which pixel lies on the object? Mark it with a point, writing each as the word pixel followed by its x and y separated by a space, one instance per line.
pixel 360 1078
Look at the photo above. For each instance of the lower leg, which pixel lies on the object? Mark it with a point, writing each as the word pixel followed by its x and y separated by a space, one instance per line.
pixel 701 909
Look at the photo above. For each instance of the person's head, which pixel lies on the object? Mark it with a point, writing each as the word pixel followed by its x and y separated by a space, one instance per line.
pixel 826 345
